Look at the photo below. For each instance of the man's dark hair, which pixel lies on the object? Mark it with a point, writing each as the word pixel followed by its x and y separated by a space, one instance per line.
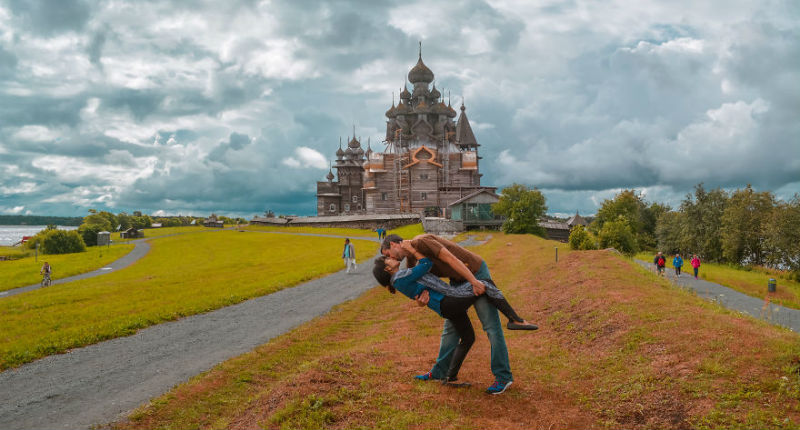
pixel 381 275
pixel 388 240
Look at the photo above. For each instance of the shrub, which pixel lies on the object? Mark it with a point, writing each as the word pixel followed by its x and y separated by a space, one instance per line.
pixel 62 242
pixel 89 233
pixel 618 235
pixel 581 239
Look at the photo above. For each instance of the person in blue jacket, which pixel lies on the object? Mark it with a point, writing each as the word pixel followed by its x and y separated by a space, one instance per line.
pixel 677 263
pixel 449 301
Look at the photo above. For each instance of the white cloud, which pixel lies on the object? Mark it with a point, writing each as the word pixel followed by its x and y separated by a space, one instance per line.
pixel 35 133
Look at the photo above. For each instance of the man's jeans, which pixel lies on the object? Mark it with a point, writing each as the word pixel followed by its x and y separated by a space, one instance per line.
pixel 490 320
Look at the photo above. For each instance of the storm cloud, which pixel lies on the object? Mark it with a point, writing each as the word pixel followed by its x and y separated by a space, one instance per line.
pixel 237 107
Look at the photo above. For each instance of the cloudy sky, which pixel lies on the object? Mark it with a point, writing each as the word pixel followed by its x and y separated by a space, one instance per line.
pixel 236 106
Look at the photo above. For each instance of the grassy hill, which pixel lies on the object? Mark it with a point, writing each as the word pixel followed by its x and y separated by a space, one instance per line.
pixel 617 347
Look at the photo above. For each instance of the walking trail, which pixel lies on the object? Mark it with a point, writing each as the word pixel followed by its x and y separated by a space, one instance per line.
pixel 734 300
pixel 103 382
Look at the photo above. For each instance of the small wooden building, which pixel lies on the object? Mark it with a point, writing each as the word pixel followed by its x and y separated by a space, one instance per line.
pixel 132 233
pixel 475 209
pixel 212 221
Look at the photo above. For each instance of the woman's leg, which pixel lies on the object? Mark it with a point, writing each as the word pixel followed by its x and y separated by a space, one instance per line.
pixel 695 272
pixel 455 310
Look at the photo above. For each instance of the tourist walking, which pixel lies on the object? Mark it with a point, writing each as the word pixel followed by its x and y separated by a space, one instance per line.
pixel 677 263
pixel 695 262
pixel 660 263
pixel 458 265
pixel 349 256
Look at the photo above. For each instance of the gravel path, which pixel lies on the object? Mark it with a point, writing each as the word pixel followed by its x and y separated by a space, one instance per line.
pixel 732 299
pixel 101 383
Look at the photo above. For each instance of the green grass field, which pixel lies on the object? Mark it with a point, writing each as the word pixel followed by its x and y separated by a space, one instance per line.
pixel 25 271
pixel 181 275
pixel 166 231
pixel 15 252
pixel 407 231
pixel 752 282
pixel 617 348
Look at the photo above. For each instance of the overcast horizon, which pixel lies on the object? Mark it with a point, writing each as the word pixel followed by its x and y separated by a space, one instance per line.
pixel 237 107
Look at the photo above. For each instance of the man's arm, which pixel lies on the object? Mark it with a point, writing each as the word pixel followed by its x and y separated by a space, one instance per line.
pixel 448 258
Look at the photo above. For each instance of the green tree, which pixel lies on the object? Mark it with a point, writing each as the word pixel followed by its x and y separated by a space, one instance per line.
pixel 62 242
pixel 743 221
pixel 618 235
pixel 97 219
pixel 640 217
pixel 124 221
pixel 703 215
pixel 782 236
pixel 671 234
pixel 522 207
pixel 581 239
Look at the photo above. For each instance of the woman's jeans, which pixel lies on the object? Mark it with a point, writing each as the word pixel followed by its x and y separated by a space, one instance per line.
pixel 490 320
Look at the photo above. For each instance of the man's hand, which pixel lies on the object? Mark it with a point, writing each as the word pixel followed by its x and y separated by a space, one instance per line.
pixel 423 298
pixel 478 288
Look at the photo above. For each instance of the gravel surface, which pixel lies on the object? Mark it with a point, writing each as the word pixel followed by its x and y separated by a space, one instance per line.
pixel 101 383
pixel 732 299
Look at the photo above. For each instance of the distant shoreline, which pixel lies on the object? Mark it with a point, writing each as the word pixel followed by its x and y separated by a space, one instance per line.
pixel 34 220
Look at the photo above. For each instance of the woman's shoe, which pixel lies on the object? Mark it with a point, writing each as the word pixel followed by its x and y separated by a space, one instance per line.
pixel 512 325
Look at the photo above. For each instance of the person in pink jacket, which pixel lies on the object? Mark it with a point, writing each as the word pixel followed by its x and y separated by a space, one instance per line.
pixel 695 262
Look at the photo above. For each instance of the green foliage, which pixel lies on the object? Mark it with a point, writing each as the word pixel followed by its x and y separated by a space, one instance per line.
pixel 782 236
pixel 99 219
pixel 522 207
pixel 581 239
pixel 141 221
pixel 640 217
pixel 703 215
pixel 618 235
pixel 62 242
pixel 671 232
pixel 743 220
pixel 89 233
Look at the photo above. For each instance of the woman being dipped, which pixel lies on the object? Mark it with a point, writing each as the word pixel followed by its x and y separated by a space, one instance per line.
pixel 449 301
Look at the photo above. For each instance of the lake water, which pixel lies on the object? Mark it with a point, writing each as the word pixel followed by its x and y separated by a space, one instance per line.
pixel 11 234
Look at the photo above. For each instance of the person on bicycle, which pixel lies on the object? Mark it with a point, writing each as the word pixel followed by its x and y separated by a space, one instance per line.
pixel 45 272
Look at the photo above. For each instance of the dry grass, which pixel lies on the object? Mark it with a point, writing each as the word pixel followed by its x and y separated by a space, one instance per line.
pixel 617 348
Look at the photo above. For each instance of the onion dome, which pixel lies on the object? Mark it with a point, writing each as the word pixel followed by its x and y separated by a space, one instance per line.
pixel 435 94
pixel 339 152
pixel 405 95
pixel 391 112
pixel 354 143
pixel 329 176
pixel 401 109
pixel 420 73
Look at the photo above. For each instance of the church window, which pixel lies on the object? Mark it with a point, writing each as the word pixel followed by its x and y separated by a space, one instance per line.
pixel 424 196
pixel 332 208
pixel 423 176
pixel 384 196
pixel 347 207
pixel 355 199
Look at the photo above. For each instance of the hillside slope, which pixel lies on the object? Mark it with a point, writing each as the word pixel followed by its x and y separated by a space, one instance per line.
pixel 617 347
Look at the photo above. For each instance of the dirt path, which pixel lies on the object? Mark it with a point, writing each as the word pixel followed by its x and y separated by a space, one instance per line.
pixel 104 382
pixel 732 299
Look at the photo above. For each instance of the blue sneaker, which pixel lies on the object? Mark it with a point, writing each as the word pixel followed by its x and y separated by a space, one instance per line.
pixel 498 387
pixel 425 377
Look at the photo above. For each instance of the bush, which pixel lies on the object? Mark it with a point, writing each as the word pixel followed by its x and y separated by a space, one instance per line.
pixel 618 235
pixel 62 242
pixel 89 233
pixel 581 239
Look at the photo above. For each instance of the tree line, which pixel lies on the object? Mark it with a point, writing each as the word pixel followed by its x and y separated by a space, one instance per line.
pixel 741 227
pixel 40 220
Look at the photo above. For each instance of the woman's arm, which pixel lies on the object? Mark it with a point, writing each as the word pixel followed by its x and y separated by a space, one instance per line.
pixel 408 278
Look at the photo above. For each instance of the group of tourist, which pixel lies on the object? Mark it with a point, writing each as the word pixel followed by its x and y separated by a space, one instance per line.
pixel 660 261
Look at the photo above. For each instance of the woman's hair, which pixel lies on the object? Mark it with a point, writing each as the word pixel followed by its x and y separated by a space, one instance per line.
pixel 381 275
